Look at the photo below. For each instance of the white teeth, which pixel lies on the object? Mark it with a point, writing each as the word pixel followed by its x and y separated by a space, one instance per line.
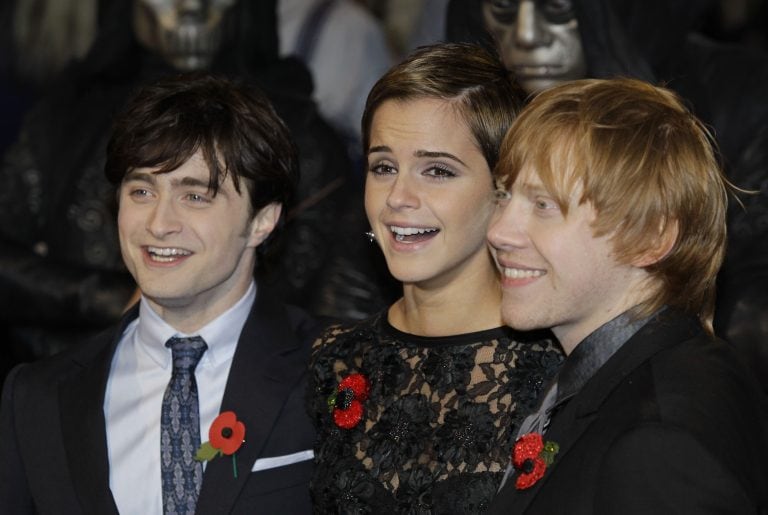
pixel 167 251
pixel 408 231
pixel 518 273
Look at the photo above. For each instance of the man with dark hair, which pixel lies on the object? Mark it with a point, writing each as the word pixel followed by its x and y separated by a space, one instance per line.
pixel 203 168
pixel 62 278
pixel 610 231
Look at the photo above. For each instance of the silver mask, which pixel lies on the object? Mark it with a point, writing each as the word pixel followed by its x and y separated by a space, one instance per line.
pixel 185 33
pixel 538 40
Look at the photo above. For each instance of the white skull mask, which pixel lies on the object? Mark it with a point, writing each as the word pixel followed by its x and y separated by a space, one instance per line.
pixel 185 33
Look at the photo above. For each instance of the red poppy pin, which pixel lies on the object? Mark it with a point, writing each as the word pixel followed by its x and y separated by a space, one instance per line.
pixel 531 456
pixel 225 436
pixel 346 403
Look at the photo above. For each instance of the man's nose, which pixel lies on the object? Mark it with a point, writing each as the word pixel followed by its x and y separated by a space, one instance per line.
pixel 163 220
pixel 506 230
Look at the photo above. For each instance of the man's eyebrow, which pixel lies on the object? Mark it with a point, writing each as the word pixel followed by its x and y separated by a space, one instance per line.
pixel 133 175
pixel 192 181
pixel 530 187
pixel 150 178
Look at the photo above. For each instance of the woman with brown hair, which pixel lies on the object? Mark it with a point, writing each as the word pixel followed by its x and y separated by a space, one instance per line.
pixel 416 408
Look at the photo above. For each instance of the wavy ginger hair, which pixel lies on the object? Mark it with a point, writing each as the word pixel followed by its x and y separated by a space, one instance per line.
pixel 647 166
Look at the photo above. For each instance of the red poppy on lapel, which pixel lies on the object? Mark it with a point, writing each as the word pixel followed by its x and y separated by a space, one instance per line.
pixel 225 436
pixel 530 457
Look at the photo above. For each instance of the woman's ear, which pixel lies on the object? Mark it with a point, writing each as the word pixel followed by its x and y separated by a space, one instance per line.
pixel 661 245
pixel 263 223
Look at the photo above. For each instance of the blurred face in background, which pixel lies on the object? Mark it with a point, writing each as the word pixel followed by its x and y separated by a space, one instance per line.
pixel 185 33
pixel 538 40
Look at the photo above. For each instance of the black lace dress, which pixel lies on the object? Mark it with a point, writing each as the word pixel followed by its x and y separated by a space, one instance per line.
pixel 438 422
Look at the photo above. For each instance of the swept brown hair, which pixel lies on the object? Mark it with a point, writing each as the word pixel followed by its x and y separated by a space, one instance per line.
pixel 231 123
pixel 471 77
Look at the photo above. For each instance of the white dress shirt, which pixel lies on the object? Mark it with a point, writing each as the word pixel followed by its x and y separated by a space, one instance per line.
pixel 141 370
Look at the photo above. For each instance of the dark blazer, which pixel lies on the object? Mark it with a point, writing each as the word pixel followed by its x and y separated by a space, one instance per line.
pixel 53 449
pixel 671 423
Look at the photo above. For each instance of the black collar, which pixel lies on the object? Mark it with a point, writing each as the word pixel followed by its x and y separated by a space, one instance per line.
pixel 594 351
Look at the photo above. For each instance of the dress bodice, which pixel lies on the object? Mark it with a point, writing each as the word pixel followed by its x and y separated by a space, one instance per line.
pixel 438 424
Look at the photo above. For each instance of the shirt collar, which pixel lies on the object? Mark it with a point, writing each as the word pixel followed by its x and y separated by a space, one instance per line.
pixel 221 334
pixel 593 351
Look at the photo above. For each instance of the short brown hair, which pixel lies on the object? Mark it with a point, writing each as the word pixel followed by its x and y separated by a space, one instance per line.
pixel 644 162
pixel 468 75
pixel 233 125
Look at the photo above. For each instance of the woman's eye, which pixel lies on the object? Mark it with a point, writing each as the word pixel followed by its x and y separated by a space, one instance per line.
pixel 382 169
pixel 439 172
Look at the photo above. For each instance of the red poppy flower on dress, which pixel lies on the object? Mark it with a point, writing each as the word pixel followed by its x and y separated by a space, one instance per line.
pixel 350 417
pixel 226 433
pixel 358 384
pixel 530 457
pixel 346 403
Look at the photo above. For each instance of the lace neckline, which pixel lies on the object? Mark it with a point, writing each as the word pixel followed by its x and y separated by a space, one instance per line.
pixel 485 335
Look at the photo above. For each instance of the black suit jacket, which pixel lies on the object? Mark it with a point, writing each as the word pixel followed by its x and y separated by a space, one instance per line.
pixel 53 448
pixel 671 423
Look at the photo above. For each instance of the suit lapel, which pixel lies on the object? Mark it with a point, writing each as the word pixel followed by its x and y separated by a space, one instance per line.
pixel 667 328
pixel 265 368
pixel 81 396
pixel 575 417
